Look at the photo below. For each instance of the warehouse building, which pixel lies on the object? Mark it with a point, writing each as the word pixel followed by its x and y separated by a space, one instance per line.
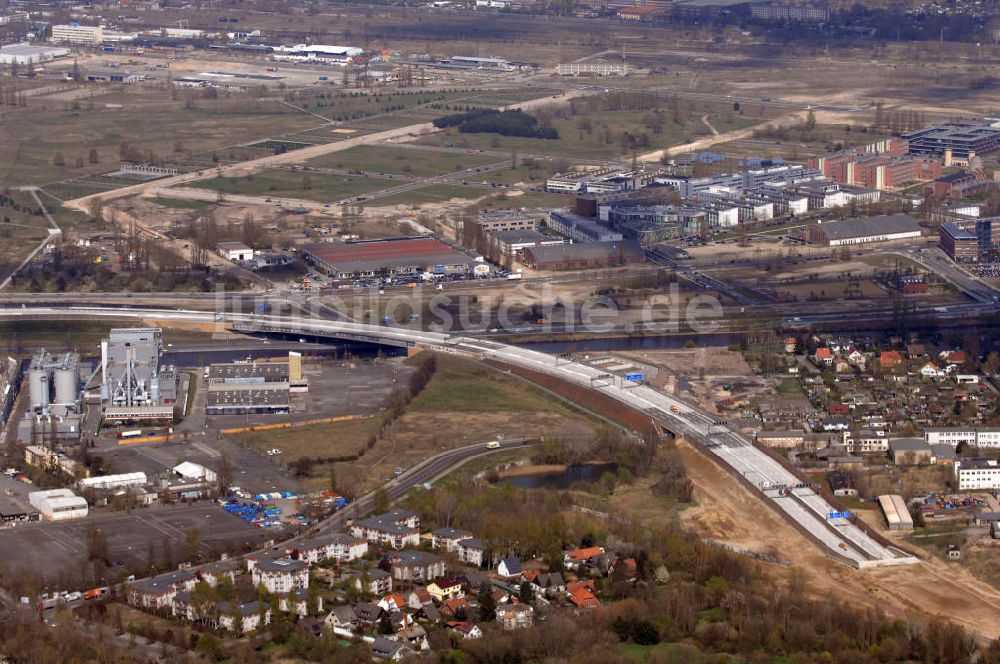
pixel 58 504
pixel 883 228
pixel 583 256
pixel 29 54
pixel 390 256
pixel 895 512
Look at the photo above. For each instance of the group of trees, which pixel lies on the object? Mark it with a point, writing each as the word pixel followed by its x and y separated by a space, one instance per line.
pixel 490 121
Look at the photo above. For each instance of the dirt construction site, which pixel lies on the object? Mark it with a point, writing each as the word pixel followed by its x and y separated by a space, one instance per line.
pixel 728 512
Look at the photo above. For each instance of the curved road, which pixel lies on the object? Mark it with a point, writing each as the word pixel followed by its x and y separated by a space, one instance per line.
pixel 797 502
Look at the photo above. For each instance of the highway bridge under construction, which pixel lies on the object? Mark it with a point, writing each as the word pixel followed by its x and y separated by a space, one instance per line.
pixel 836 533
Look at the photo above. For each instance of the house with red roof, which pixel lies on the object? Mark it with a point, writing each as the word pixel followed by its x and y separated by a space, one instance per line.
pixel 824 356
pixel 573 558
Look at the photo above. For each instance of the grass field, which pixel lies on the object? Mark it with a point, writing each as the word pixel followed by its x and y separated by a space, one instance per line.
pixel 20 208
pixel 604 139
pixel 45 130
pixel 402 161
pixel 16 242
pixel 317 440
pixel 435 193
pixel 323 188
pixel 466 387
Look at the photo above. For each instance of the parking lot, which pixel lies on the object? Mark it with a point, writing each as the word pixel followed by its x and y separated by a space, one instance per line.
pixel 63 545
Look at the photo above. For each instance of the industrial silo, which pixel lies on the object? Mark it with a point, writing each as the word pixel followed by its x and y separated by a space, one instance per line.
pixel 66 383
pixel 38 387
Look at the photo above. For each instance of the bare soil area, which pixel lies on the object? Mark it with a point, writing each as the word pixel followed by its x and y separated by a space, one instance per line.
pixel 729 512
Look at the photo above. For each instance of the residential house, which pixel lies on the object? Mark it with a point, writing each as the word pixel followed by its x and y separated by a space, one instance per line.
pixel 515 616
pixel 397 529
pixel 448 538
pixel 415 637
pixel 392 602
pixel 159 591
pixel 338 546
pixel 857 358
pixel 368 613
pixel 790 344
pixel 574 558
pixel 416 566
pixel 443 589
pixel 623 569
pixel 394 651
pixel 471 551
pixel 418 598
pixel 931 370
pixel 583 598
pixel 574 586
pixel 281 576
pixel 824 356
pixel 549 583
pixel 890 359
pixel 509 568
pixel 458 607
pixel 374 581
pixel 466 630
pixel 342 617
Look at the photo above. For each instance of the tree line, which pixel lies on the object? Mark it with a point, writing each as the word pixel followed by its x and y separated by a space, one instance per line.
pixel 490 121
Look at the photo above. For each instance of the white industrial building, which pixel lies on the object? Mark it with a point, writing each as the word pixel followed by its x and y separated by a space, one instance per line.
pixel 112 481
pixel 977 473
pixel 194 471
pixel 29 54
pixel 58 504
pixel 235 251
pixel 316 53
pixel 132 377
pixel 74 33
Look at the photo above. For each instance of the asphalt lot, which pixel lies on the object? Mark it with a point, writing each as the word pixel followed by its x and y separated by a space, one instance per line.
pixel 357 387
pixel 63 545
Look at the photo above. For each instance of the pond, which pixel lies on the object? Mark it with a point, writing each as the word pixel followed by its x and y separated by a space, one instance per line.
pixel 561 479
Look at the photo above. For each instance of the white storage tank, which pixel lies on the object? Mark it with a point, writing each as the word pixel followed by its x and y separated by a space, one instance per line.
pixel 67 385
pixel 38 387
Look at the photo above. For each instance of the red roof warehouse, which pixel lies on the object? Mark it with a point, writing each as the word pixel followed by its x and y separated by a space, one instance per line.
pixel 404 255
